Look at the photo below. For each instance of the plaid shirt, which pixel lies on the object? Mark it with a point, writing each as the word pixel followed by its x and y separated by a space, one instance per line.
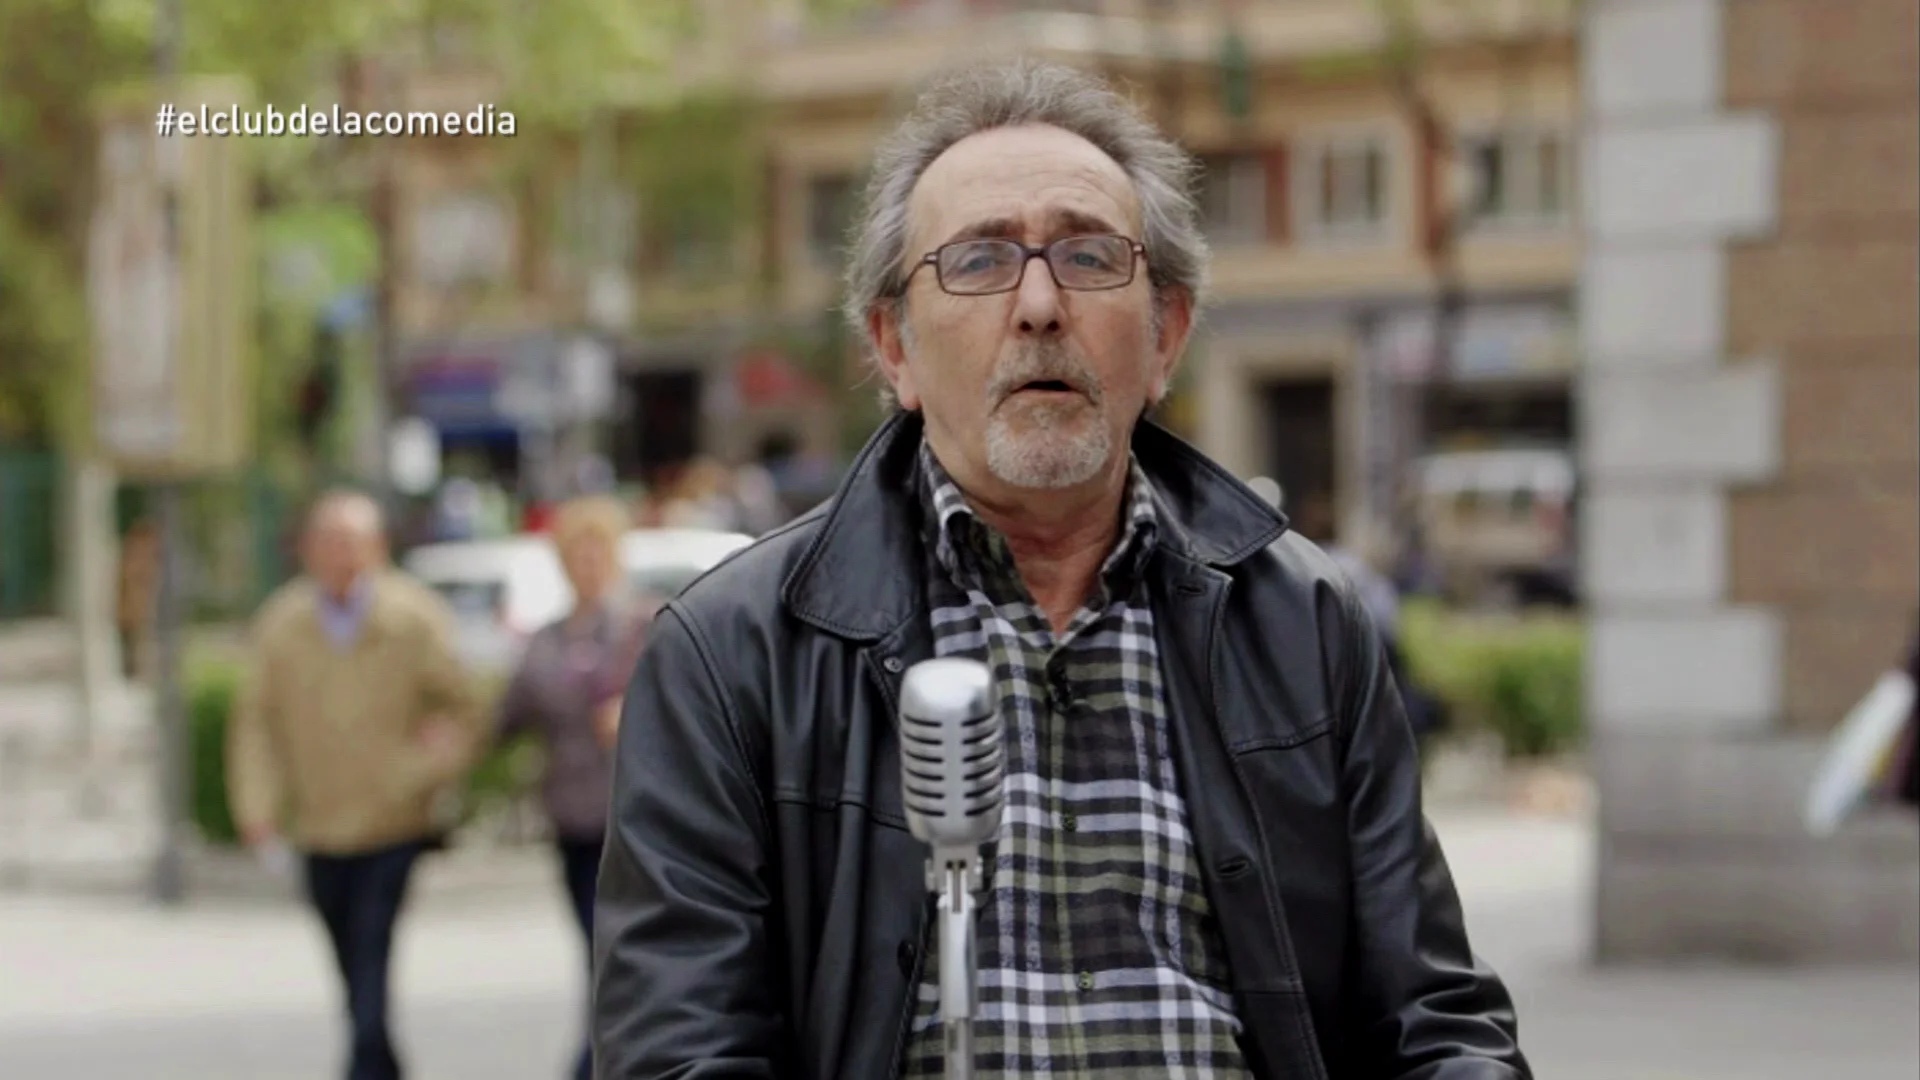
pixel 1099 955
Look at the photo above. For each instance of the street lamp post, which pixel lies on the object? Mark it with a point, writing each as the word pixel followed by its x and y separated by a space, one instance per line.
pixel 169 876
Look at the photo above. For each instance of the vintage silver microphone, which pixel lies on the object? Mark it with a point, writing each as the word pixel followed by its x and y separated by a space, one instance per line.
pixel 953 782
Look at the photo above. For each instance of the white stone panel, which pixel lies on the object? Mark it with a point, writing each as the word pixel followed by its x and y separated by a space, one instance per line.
pixel 1654 546
pixel 1653 305
pixel 1706 178
pixel 1720 424
pixel 1651 56
pixel 1710 671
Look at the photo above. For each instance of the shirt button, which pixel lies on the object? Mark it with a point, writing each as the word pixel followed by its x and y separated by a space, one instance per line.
pixel 1069 822
pixel 1086 980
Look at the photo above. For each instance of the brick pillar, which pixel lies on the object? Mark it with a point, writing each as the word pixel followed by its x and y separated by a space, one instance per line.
pixel 1750 543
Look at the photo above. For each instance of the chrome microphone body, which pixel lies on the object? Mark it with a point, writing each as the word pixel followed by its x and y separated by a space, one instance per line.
pixel 953 783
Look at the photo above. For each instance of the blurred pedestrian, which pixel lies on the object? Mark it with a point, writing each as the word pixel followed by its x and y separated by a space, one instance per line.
pixel 761 509
pixel 1903 777
pixel 139 579
pixel 354 719
pixel 1377 593
pixel 703 498
pixel 1870 758
pixel 566 693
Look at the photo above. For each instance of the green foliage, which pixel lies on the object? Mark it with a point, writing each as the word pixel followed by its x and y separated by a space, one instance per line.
pixel 1519 677
pixel 508 772
pixel 694 163
pixel 315 250
pixel 42 322
pixel 1404 38
pixel 551 61
pixel 210 694
pixel 1534 695
pixel 309 254
pixel 51 55
pixel 555 64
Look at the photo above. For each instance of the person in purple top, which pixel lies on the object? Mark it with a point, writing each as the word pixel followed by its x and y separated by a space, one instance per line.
pixel 566 694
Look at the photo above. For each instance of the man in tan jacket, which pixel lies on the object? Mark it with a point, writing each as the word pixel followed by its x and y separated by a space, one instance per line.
pixel 354 718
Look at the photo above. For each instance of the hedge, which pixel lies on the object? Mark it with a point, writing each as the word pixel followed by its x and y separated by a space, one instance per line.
pixel 1518 676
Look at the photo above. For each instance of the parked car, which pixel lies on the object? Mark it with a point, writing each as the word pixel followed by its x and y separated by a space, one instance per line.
pixel 502 591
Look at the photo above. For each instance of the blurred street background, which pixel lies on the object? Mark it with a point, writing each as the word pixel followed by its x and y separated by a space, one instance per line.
pixel 1584 331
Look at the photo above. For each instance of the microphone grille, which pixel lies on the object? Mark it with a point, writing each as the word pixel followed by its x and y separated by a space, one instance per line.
pixel 952 753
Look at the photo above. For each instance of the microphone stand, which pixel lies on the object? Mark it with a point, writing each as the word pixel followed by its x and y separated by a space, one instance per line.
pixel 956 881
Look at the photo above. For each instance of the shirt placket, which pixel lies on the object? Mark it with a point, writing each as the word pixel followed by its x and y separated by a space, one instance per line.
pixel 1009 622
pixel 1063 841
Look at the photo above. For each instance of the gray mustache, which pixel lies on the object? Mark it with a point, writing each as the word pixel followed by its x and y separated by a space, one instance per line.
pixel 1040 365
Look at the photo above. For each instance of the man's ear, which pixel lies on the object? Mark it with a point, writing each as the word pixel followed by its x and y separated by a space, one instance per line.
pixel 1173 324
pixel 884 334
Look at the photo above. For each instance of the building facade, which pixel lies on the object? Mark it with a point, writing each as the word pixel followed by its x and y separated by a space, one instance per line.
pixel 1315 363
pixel 1751 441
pixel 1318 195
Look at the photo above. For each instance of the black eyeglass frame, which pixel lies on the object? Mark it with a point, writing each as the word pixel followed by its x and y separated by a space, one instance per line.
pixel 1136 251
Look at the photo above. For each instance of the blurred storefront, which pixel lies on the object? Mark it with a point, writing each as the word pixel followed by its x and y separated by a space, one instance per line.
pixel 458 389
pixel 725 396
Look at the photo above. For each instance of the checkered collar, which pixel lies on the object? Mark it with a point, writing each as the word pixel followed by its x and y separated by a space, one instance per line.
pixel 962 542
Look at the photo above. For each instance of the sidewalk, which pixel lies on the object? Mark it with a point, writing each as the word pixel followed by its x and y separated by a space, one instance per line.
pixel 1526 887
pixel 488 981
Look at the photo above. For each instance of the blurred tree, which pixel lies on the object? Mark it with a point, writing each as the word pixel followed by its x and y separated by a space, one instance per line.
pixel 39 339
pixel 555 64
pixel 52 54
pixel 552 62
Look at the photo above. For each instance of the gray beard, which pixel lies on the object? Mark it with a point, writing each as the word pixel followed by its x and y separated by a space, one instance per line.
pixel 1039 455
pixel 1045 458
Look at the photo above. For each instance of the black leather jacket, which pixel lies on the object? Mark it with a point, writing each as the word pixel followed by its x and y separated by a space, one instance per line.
pixel 761 901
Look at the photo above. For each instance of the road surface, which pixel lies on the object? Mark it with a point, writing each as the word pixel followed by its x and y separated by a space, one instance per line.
pixel 488 986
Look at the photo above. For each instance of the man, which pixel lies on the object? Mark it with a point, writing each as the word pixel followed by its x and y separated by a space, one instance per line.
pixel 353 719
pixel 1213 861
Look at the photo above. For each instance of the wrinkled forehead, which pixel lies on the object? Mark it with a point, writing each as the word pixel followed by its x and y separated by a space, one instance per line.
pixel 1031 183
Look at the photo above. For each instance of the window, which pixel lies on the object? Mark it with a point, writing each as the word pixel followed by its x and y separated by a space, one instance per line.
pixel 1341 187
pixel 1519 177
pixel 831 203
pixel 1233 198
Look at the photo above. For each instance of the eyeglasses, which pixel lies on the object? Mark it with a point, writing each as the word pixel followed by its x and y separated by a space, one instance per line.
pixel 984 267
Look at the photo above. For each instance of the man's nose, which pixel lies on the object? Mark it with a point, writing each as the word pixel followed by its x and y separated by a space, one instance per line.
pixel 1037 303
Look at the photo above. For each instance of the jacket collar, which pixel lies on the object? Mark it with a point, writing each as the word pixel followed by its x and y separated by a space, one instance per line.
pixel 860 575
pixel 380 607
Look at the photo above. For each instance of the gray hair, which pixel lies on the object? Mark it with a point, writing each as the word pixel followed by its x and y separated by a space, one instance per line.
pixel 982 98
